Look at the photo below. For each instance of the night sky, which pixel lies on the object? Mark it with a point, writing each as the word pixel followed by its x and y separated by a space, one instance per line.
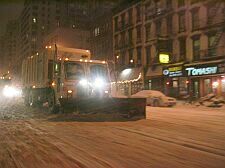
pixel 9 9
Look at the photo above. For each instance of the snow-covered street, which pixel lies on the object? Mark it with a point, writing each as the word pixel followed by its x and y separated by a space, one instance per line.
pixel 184 136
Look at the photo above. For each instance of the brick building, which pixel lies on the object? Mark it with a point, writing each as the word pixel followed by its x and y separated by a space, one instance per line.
pixel 179 45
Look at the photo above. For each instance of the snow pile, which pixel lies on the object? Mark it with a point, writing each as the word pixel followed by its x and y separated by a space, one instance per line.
pixel 211 100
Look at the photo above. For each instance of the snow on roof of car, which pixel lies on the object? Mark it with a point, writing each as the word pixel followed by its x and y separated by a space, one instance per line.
pixel 146 93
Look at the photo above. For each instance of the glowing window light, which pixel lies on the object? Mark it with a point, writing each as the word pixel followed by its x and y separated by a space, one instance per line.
pixel 70 91
pixel 164 58
pixel 215 84
pixel 34 20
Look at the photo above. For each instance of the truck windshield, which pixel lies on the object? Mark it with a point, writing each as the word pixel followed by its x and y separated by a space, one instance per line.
pixel 73 71
pixel 98 71
pixel 4 82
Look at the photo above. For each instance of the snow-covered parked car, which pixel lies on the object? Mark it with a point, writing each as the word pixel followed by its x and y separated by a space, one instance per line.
pixel 156 98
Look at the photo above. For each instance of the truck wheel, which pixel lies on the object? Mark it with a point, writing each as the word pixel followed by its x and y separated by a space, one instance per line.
pixel 26 100
pixel 30 99
pixel 52 106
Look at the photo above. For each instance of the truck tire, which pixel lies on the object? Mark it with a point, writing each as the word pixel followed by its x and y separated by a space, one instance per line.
pixel 26 100
pixel 52 106
pixel 30 99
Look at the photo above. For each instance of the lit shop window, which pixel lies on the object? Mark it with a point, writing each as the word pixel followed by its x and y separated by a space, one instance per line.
pixel 207 86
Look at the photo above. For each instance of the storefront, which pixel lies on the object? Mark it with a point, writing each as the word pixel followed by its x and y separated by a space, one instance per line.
pixel 129 81
pixel 154 79
pixel 206 78
pixel 175 82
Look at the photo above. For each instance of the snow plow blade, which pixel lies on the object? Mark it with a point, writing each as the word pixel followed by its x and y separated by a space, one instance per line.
pixel 123 107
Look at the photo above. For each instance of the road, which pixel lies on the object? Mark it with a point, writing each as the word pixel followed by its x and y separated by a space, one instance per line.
pixel 180 137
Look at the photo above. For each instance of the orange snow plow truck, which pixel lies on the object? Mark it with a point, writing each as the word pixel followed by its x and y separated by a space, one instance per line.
pixel 60 78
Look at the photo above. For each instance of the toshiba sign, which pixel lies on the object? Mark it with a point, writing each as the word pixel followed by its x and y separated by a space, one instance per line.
pixel 205 69
pixel 191 71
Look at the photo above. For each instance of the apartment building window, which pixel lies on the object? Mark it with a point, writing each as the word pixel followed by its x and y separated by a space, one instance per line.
pixel 123 38
pixel 169 4
pixel 35 7
pixel 123 20
pixel 211 12
pixel 130 54
pixel 147 32
pixel 195 1
pixel 158 27
pixel 34 20
pixel 148 10
pixel 116 23
pixel 139 55
pixel 138 13
pixel 130 34
pixel 123 54
pixel 182 22
pixel 130 16
pixel 169 25
pixel 116 41
pixel 196 48
pixel 195 20
pixel 211 45
pixel 138 29
pixel 148 54
pixel 181 3
pixel 158 7
pixel 182 47
pixel 96 31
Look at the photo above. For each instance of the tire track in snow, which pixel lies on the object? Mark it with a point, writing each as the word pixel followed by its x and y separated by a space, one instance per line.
pixel 201 148
pixel 98 160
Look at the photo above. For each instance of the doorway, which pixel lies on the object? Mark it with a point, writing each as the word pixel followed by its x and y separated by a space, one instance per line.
pixel 195 86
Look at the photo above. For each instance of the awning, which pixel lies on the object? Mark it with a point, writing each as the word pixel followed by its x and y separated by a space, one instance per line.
pixel 205 62
pixel 154 71
pixel 129 74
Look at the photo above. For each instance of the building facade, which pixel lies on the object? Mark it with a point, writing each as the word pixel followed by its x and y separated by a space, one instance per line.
pixel 68 37
pixel 101 29
pixel 178 44
pixel 10 48
pixel 128 47
pixel 39 18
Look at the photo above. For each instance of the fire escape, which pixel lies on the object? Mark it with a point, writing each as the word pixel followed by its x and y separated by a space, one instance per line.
pixel 215 26
pixel 163 41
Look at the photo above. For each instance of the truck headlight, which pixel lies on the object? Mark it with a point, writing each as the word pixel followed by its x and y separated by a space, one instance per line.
pixel 99 82
pixel 83 82
pixel 11 92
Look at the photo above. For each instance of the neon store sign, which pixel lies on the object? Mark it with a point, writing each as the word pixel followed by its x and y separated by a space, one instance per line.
pixel 192 71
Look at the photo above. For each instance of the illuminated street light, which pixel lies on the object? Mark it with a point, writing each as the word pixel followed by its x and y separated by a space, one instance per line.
pixel 126 72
